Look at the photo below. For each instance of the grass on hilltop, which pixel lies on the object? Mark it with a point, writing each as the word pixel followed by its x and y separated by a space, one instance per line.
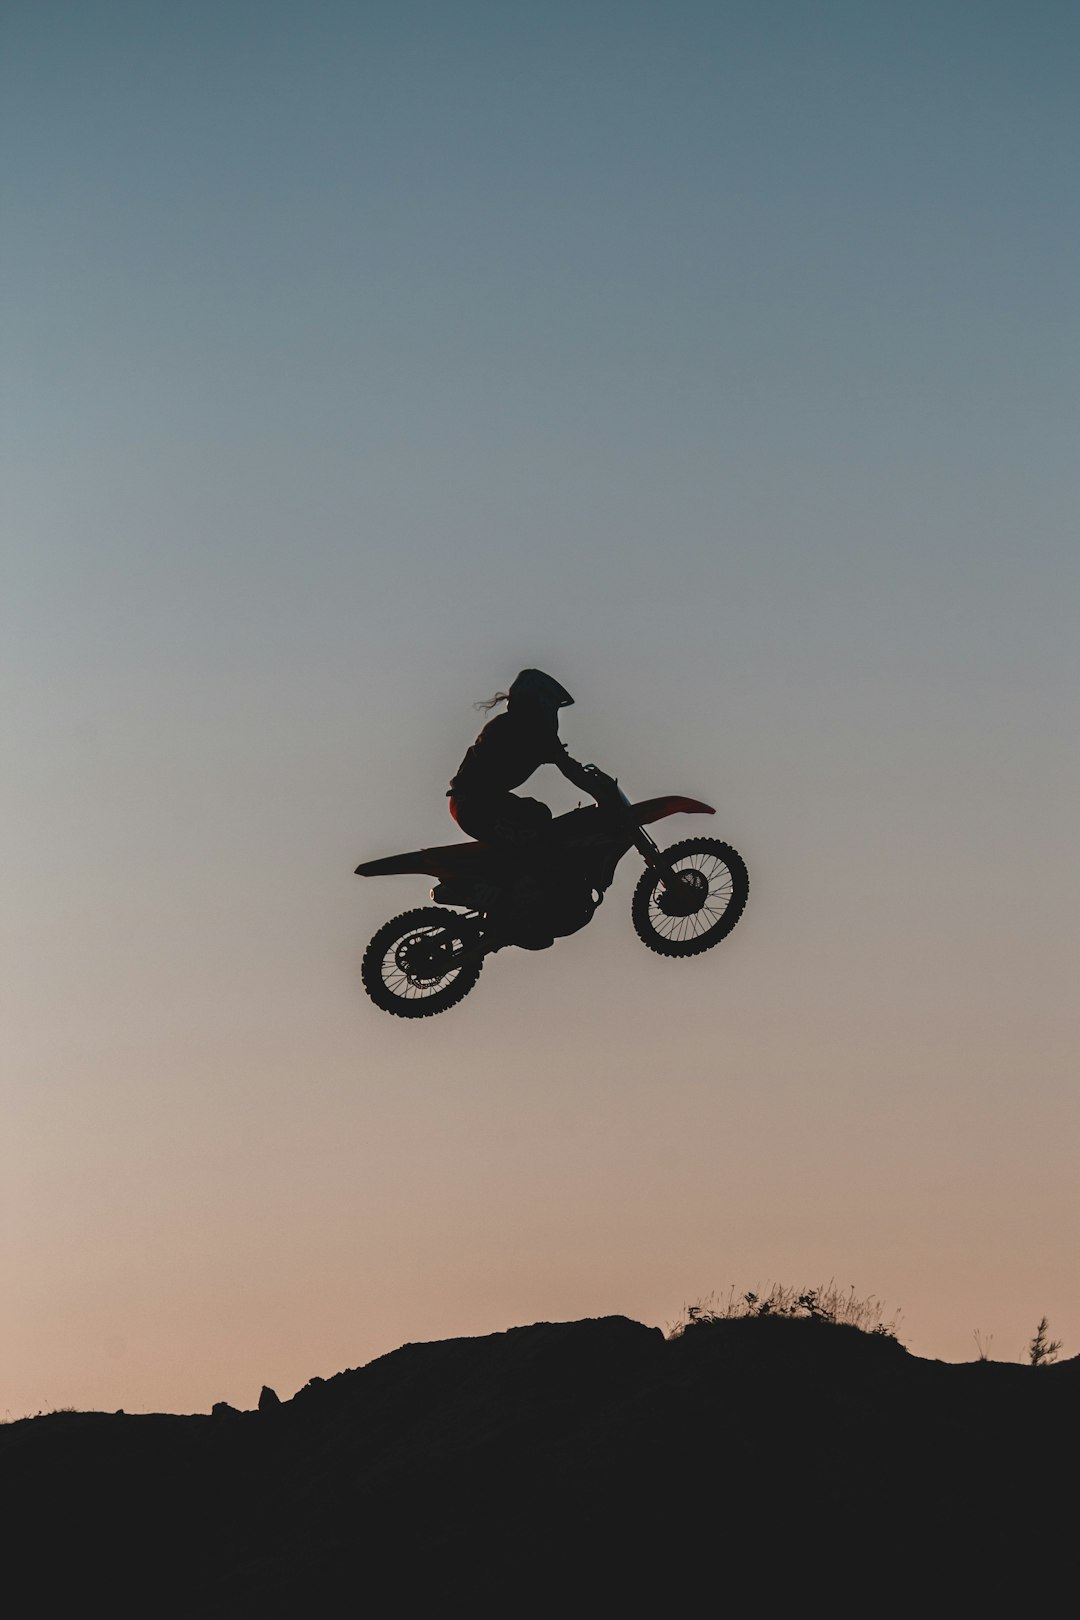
pixel 828 1303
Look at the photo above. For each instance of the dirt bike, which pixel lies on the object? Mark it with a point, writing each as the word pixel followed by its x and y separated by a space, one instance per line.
pixel 689 898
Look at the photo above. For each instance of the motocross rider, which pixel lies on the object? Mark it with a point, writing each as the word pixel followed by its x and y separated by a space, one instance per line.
pixel 505 754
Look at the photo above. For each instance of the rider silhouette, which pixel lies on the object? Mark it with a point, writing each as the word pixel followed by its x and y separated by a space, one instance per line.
pixel 504 755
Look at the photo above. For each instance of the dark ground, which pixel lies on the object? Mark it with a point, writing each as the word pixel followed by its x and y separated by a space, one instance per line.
pixel 568 1468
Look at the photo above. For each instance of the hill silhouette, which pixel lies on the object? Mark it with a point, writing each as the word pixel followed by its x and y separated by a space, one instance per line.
pixel 569 1468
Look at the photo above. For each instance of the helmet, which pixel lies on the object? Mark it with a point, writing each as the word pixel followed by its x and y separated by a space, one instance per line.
pixel 536 687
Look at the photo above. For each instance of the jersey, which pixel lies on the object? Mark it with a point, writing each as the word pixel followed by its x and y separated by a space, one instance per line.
pixel 506 753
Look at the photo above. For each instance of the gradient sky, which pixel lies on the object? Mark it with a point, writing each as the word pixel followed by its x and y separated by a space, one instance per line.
pixel 720 358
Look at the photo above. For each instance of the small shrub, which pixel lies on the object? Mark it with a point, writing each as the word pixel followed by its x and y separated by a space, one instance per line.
pixel 1042 1351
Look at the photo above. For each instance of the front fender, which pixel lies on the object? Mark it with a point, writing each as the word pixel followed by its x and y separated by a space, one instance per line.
pixel 671 804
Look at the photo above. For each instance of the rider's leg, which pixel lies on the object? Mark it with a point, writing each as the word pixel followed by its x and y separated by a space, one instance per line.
pixel 517 828
pixel 501 819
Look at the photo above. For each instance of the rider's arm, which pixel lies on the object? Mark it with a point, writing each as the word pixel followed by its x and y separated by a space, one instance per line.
pixel 586 777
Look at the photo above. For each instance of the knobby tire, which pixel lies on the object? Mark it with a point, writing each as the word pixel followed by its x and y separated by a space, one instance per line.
pixel 389 984
pixel 724 903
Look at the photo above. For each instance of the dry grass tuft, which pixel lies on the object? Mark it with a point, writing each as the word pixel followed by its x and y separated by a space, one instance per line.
pixel 828 1303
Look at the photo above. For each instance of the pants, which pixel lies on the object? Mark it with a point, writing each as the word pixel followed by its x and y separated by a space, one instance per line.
pixel 501 819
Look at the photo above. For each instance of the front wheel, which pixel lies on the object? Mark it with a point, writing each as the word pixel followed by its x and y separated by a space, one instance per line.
pixel 422 962
pixel 711 896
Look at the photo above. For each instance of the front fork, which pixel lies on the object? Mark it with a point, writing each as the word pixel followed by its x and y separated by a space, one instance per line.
pixel 647 847
pixel 653 857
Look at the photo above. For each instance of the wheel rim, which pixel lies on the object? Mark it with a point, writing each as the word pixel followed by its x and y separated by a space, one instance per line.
pixel 713 887
pixel 423 963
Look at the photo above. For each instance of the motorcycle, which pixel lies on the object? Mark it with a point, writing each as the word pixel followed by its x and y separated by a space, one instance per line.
pixel 687 900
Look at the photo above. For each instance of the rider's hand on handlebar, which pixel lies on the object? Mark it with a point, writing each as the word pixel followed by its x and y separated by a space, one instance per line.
pixel 588 777
pixel 598 779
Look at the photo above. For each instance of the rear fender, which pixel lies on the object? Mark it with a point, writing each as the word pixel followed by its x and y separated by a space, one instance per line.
pixel 442 861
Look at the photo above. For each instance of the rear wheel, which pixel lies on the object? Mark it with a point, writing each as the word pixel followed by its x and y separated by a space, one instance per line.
pixel 710 898
pixel 422 962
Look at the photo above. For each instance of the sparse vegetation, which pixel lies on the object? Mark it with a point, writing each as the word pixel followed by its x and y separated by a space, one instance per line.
pixel 828 1303
pixel 833 1304
pixel 1040 1352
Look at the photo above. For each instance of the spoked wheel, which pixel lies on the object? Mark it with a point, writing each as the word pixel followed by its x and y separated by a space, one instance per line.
pixel 712 891
pixel 422 962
